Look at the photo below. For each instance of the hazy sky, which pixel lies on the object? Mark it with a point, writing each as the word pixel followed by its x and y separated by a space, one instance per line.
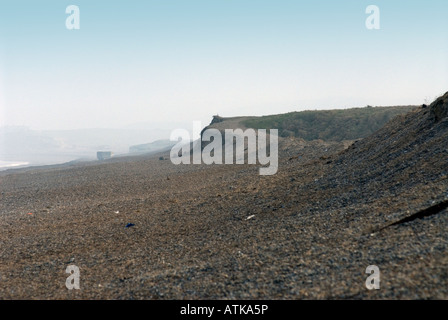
pixel 186 60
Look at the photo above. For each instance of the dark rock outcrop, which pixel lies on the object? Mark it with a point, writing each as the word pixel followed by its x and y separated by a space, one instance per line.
pixel 439 108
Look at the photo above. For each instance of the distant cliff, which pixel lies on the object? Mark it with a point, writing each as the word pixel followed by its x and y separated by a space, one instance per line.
pixel 159 145
pixel 327 125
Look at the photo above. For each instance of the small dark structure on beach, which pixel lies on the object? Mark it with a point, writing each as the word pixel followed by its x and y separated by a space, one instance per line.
pixel 103 155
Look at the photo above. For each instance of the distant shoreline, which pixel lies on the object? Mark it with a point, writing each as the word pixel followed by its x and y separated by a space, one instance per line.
pixel 9 165
pixel 12 164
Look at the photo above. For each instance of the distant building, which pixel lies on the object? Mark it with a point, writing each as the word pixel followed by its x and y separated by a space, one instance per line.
pixel 103 155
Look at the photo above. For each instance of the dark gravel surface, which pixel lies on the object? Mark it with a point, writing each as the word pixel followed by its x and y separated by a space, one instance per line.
pixel 225 232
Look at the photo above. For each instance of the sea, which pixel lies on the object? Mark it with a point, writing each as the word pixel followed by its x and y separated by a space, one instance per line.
pixel 12 164
pixel 41 160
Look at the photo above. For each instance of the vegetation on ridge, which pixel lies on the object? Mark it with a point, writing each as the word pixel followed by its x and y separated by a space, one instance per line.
pixel 329 125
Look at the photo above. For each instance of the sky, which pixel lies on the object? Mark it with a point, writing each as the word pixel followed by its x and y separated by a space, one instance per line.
pixel 181 61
